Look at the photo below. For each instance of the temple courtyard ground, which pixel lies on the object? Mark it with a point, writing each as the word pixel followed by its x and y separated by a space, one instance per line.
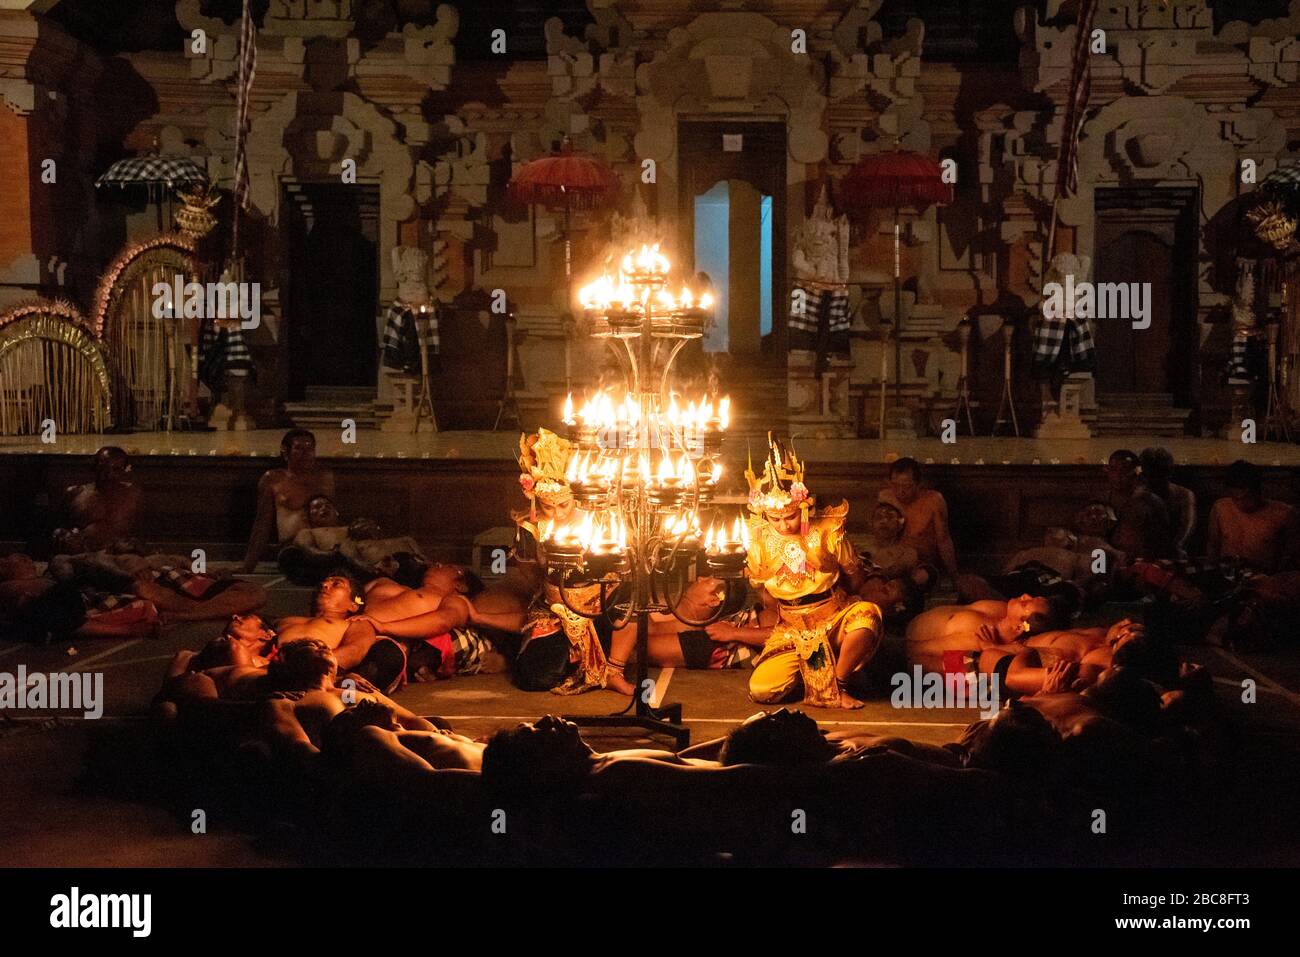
pixel 87 793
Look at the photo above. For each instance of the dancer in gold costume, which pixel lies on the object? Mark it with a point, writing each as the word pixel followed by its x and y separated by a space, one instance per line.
pixel 805 561
pixel 543 459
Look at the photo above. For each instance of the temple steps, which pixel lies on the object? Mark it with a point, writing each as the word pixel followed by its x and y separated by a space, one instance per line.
pixel 1139 413
pixel 325 407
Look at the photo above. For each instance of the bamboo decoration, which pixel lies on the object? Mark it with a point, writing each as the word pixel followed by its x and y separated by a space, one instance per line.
pixel 51 368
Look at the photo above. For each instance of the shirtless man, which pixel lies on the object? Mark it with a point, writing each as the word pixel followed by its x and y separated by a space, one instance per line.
pixel 1143 528
pixel 1246 527
pixel 1157 467
pixel 935 634
pixel 370 741
pixel 283 493
pixel 925 515
pixel 333 621
pixel 103 511
pixel 164 580
pixel 359 547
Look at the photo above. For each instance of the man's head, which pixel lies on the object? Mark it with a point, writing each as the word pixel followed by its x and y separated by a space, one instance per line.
pixel 221 651
pixel 1122 470
pixel 1157 466
pixel 1095 520
pixel 1245 482
pixel 17 567
pixel 1019 742
pixel 785 521
pixel 1036 615
pixel 298 449
pixel 303 665
pixel 886 523
pixel 112 465
pixel 1122 695
pixel 445 579
pixel 905 479
pixel 337 595
pixel 250 630
pixel 781 738
pixel 548 756
pixel 366 713
pixel 321 512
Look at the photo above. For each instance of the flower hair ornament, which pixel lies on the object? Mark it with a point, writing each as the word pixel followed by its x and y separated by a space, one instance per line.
pixel 780 486
pixel 543 458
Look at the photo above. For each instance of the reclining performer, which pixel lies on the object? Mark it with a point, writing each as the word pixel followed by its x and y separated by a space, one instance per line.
pixel 283 493
pixel 471 633
pixel 369 741
pixel 164 580
pixel 543 459
pixel 733 641
pixel 327 546
pixel 35 607
pixel 100 512
pixel 1015 640
pixel 822 637
pixel 350 636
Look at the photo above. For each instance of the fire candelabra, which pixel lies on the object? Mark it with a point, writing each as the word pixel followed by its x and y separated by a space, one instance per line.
pixel 644 474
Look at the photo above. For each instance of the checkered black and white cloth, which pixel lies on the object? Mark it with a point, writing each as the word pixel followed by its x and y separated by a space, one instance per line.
pixel 153 169
pixel 222 350
pixel 833 302
pixel 1058 337
pixel 406 331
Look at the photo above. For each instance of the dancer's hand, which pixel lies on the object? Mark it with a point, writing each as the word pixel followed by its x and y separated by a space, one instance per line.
pixel 1060 677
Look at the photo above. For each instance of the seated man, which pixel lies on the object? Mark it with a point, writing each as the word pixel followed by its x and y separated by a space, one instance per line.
pixel 359 549
pixel 100 512
pixel 1143 528
pixel 896 578
pixel 336 622
pixel 282 494
pixel 1248 529
pixel 925 515
pixel 1157 469
pixel 164 580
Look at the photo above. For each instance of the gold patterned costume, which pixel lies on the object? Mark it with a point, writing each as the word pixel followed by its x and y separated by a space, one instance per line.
pixel 543 459
pixel 802 571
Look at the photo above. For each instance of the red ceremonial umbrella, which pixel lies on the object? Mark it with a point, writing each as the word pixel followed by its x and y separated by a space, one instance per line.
pixel 564 179
pixel 895 178
pixel 569 180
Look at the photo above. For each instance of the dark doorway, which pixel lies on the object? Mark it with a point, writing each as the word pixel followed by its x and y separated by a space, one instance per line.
pixel 332 285
pixel 743 162
pixel 1148 235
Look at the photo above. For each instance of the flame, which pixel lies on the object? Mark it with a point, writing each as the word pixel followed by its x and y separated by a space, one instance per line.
pixel 665 470
pixel 568 410
pixel 724 412
pixel 717 473
pixel 706 301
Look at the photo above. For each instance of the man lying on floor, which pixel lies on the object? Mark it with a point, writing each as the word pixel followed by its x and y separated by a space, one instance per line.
pixel 165 580
pixel 219 698
pixel 327 546
pixel 336 621
pixel 1016 640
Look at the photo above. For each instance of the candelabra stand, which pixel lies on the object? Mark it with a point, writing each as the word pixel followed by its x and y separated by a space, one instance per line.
pixel 653 546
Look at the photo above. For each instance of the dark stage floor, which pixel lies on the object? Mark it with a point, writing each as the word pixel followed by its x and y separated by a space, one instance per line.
pixel 54 813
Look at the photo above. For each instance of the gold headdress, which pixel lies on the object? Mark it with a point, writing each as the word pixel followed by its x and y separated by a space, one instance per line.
pixel 543 458
pixel 781 485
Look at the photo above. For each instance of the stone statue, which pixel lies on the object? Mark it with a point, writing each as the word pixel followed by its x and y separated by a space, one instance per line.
pixel 819 300
pixel 821 246
pixel 1244 363
pixel 410 266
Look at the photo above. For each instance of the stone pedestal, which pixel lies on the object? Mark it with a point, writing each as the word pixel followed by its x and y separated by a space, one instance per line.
pixel 1062 420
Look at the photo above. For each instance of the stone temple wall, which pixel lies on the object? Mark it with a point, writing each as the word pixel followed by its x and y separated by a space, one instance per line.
pixel 1176 102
